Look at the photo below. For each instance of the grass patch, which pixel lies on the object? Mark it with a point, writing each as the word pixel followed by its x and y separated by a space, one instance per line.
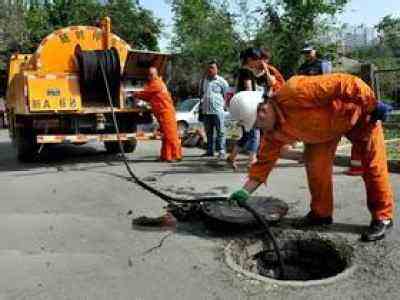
pixel 394 118
pixel 393 150
pixel 391 134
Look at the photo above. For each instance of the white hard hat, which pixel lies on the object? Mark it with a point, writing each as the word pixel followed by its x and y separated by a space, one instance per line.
pixel 243 107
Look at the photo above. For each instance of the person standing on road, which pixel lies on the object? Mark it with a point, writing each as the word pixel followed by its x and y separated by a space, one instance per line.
pixel 213 90
pixel 319 110
pixel 254 61
pixel 269 77
pixel 313 66
pixel 155 92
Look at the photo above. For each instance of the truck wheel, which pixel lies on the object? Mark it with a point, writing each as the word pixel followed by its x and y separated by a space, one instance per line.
pixel 25 141
pixel 130 146
pixel 182 128
pixel 113 147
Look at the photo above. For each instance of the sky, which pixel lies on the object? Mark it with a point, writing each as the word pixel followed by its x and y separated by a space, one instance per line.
pixel 368 12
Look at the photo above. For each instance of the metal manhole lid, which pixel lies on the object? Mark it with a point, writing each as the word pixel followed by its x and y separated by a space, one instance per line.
pixel 271 208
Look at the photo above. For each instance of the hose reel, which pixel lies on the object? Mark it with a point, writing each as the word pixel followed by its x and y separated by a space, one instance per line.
pixel 91 79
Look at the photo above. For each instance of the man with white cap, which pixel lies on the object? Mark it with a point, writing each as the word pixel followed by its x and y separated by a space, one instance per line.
pixel 313 65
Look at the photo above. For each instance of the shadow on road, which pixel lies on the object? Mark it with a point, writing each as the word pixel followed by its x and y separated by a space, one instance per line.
pixel 88 156
pixel 290 223
pixel 202 227
pixel 58 156
pixel 204 166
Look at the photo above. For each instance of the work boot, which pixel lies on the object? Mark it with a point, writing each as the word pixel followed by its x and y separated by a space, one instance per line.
pixel 312 220
pixel 377 230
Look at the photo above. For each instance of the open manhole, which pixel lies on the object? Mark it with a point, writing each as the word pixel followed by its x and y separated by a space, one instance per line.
pixel 309 259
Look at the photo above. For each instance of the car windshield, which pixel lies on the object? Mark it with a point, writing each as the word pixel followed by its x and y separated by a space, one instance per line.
pixel 187 105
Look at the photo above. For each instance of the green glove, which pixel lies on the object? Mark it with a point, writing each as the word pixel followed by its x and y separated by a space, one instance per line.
pixel 240 196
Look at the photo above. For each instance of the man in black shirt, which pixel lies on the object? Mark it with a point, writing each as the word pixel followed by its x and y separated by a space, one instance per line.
pixel 313 65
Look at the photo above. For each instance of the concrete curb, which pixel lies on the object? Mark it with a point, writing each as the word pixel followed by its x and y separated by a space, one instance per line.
pixel 340 160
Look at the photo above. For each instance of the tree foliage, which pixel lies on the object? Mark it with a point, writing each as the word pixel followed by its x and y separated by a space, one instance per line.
pixel 289 24
pixel 136 25
pixel 207 29
pixel 203 31
pixel 386 53
pixel 389 31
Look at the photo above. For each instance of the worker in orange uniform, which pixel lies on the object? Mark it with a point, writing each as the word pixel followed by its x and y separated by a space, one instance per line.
pixel 318 111
pixel 156 93
pixel 270 75
pixel 255 69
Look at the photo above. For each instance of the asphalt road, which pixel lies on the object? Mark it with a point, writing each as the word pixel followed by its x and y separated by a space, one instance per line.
pixel 66 231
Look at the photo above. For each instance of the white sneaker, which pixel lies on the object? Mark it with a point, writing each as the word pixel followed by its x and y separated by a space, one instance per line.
pixel 221 156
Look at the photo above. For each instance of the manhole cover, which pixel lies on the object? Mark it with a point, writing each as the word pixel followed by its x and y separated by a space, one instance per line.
pixel 221 212
pixel 308 259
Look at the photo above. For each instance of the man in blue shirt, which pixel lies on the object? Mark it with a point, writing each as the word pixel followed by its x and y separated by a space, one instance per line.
pixel 212 91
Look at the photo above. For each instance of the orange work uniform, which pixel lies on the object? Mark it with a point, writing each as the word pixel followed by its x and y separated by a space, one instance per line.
pixel 318 111
pixel 156 93
pixel 279 82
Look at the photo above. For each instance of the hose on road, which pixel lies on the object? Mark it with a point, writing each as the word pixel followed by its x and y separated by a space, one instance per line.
pixel 173 200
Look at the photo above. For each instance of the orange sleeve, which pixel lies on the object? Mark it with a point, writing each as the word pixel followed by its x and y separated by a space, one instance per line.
pixel 280 81
pixel 354 90
pixel 267 156
pixel 150 89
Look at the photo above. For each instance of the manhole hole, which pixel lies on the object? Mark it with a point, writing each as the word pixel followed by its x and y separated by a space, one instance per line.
pixel 309 259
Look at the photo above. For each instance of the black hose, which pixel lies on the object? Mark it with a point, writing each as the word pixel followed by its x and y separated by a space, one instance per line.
pixel 173 200
pixel 91 79
pixel 270 235
pixel 165 197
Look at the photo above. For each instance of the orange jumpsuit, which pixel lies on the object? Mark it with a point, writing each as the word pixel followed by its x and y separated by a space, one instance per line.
pixel 156 93
pixel 318 110
pixel 280 81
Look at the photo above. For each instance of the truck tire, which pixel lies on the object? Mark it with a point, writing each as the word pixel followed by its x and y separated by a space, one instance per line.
pixel 130 146
pixel 25 142
pixel 113 147
pixel 182 128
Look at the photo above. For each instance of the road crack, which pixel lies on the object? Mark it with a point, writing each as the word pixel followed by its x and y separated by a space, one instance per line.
pixel 160 244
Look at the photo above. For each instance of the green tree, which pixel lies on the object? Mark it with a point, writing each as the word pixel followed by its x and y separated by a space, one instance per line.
pixel 136 25
pixel 203 31
pixel 289 24
pixel 37 25
pixel 62 13
pixel 13 34
pixel 389 31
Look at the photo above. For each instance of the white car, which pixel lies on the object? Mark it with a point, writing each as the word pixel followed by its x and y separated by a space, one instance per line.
pixel 187 115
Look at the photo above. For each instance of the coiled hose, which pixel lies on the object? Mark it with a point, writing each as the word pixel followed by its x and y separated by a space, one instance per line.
pixel 91 81
pixel 102 61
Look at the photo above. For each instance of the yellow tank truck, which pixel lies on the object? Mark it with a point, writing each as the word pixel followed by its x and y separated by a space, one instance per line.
pixel 58 94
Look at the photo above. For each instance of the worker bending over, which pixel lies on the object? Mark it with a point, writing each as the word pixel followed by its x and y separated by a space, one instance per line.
pixel 156 93
pixel 318 111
